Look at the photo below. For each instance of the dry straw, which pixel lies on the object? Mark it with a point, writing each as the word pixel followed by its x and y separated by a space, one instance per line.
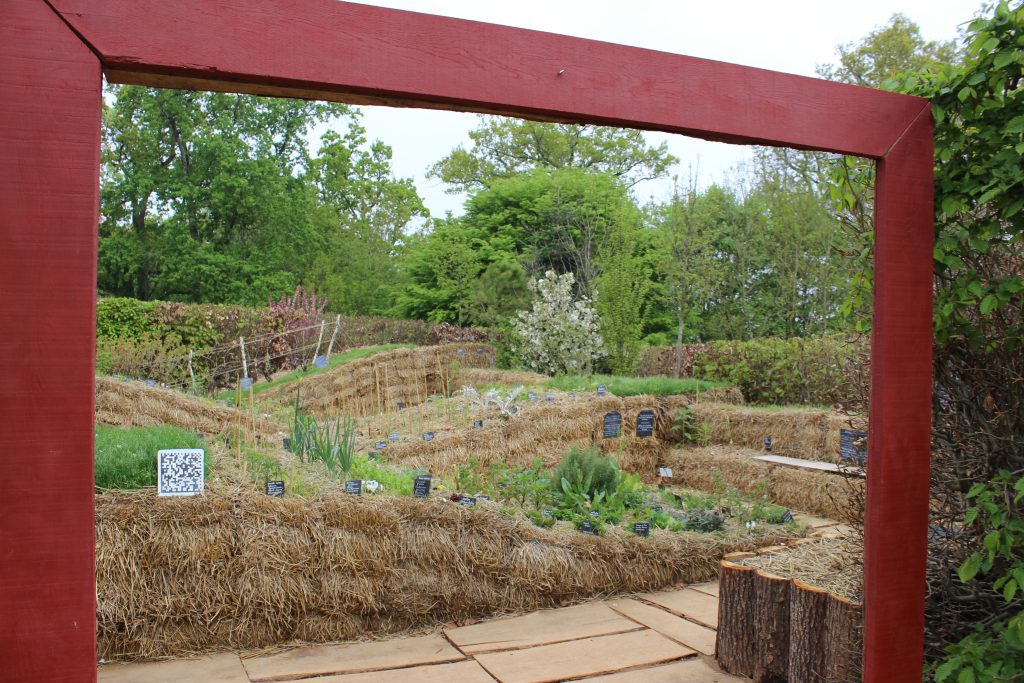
pixel 547 431
pixel 234 569
pixel 796 432
pixel 133 404
pixel 380 382
pixel 711 468
pixel 831 564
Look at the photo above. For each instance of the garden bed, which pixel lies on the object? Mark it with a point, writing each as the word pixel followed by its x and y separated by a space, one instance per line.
pixel 235 569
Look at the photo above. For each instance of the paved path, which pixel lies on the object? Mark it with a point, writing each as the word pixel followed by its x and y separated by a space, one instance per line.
pixel 661 637
pixel 664 636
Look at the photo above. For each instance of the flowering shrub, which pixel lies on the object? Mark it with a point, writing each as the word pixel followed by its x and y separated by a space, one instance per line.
pixel 559 335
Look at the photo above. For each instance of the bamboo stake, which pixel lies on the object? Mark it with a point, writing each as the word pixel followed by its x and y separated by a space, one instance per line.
pixel 337 323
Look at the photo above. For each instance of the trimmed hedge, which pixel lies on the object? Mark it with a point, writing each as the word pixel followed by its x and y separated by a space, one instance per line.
pixel 812 371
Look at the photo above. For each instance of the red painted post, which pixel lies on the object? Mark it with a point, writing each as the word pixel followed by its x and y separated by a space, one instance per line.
pixel 899 436
pixel 49 187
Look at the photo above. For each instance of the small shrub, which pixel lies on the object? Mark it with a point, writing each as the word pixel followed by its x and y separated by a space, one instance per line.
pixel 704 521
pixel 126 457
pixel 585 470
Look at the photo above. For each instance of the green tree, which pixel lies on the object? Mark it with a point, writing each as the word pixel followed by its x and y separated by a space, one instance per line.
pixel 686 256
pixel 364 214
pixel 622 295
pixel 505 147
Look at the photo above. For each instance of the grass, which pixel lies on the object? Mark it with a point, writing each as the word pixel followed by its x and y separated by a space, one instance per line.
pixel 126 457
pixel 334 361
pixel 632 386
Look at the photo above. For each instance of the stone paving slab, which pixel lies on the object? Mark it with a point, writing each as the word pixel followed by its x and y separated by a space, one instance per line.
pixel 689 671
pixel 459 672
pixel 223 668
pixel 694 605
pixel 305 662
pixel 540 628
pixel 684 632
pixel 579 658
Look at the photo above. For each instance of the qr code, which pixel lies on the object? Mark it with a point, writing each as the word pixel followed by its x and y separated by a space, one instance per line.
pixel 180 472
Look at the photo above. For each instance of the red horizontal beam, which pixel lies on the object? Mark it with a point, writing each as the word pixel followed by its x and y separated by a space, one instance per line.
pixel 336 50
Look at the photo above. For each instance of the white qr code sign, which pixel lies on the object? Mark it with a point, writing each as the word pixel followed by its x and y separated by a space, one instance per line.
pixel 179 472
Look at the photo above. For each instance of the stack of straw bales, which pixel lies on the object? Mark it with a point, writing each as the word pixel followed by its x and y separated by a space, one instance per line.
pixel 236 569
pixel 378 383
pixel 482 377
pixel 821 493
pixel 795 432
pixel 547 431
pixel 133 404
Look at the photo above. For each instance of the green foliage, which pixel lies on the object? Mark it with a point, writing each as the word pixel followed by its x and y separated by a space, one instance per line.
pixel 703 521
pixel 801 371
pixel 688 429
pixel 585 471
pixel 126 457
pixel 632 386
pixel 622 296
pixel 538 517
pixel 395 482
pixel 122 318
pixel 995 650
pixel 326 440
pixel 504 148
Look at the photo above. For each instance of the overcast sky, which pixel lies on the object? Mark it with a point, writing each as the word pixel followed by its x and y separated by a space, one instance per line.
pixel 793 36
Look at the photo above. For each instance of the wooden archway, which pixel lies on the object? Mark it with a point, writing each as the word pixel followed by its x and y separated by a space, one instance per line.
pixel 52 56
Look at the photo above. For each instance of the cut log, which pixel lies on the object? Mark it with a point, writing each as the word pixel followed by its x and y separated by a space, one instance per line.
pixel 771 616
pixel 736 641
pixel 807 637
pixel 844 624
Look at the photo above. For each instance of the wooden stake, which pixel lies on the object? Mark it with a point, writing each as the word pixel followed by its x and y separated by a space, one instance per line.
pixel 191 373
pixel 337 324
pixel 319 340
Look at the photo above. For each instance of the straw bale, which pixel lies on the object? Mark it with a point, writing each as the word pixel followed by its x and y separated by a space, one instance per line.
pixel 485 377
pixel 133 404
pixel 547 431
pixel 731 395
pixel 795 432
pixel 306 569
pixel 816 492
pixel 378 383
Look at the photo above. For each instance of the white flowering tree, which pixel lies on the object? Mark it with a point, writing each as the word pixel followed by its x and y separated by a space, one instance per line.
pixel 559 335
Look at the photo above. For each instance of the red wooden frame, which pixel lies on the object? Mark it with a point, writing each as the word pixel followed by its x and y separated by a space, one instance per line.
pixel 52 53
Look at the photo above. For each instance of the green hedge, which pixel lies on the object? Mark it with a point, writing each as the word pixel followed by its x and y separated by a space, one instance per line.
pixel 814 371
pixel 151 339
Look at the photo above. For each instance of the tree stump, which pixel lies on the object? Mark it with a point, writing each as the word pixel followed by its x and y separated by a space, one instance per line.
pixel 736 641
pixel 771 618
pixel 844 624
pixel 807 637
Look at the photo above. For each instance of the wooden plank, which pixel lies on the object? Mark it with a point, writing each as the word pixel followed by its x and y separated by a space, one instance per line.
pixel 899 429
pixel 711 588
pixel 697 670
pixel 223 668
pixel 328 49
pixel 814 522
pixel 49 202
pixel 539 628
pixel 578 658
pixel 462 672
pixel 683 631
pixel 351 658
pixel 694 605
pixel 811 464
